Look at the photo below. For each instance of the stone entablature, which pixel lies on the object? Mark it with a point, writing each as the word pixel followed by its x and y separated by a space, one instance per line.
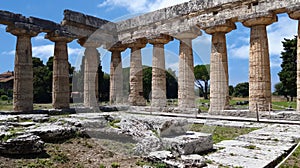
pixel 205 14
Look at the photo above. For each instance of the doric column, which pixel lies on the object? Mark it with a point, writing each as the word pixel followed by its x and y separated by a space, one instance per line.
pixel 136 73
pixel 186 78
pixel 23 73
pixel 60 84
pixel 219 92
pixel 116 75
pixel 159 90
pixel 296 15
pixel 91 63
pixel 259 63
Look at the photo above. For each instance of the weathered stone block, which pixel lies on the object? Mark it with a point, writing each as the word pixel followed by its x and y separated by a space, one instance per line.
pixel 22 144
pixel 190 143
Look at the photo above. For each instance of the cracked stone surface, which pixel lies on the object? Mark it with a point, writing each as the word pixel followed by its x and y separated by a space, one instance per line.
pixel 258 148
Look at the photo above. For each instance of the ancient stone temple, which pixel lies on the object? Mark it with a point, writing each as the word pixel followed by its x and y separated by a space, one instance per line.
pixel 183 22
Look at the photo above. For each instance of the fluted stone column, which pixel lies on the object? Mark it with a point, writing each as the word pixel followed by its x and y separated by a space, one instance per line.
pixel 259 63
pixel 296 15
pixel 219 92
pixel 159 90
pixel 60 84
pixel 186 78
pixel 116 75
pixel 23 72
pixel 136 74
pixel 91 63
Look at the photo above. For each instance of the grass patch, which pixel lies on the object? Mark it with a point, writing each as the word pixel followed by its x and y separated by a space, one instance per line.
pixel 252 147
pixel 114 122
pixel 115 165
pixel 283 105
pixel 6 107
pixel 293 161
pixel 221 133
pixel 42 106
pixel 13 132
pixel 38 163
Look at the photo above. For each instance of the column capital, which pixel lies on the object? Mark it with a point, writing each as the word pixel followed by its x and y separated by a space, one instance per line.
pixel 294 15
pixel 60 36
pixel 23 29
pixel 139 43
pixel 192 33
pixel 89 42
pixel 224 28
pixel 162 39
pixel 263 20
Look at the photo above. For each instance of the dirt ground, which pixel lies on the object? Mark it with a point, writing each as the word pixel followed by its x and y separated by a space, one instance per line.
pixel 77 153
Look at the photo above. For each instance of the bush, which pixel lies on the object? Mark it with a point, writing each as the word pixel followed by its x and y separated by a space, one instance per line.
pixel 4 98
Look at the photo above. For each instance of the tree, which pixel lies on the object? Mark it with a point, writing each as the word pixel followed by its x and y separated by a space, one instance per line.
pixel 201 73
pixel 231 90
pixel 147 82
pixel 105 87
pixel 280 90
pixel 288 75
pixel 241 90
pixel 42 82
pixel 172 84
pixel 2 92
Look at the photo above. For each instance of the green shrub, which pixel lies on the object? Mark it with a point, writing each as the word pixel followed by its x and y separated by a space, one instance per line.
pixel 4 98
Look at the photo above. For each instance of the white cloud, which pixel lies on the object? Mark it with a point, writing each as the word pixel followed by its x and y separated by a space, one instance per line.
pixel 39 37
pixel 140 5
pixel 275 62
pixel 241 52
pixel 8 52
pixel 202 49
pixel 45 51
pixel 74 51
pixel 284 28
pixel 2 27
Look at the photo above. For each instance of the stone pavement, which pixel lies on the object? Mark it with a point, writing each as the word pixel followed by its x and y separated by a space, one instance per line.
pixel 260 148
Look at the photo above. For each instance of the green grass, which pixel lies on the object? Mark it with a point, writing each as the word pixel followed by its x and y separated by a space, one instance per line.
pixel 6 106
pixel 283 105
pixel 201 101
pixel 114 122
pixel 293 161
pixel 115 165
pixel 42 106
pixel 251 147
pixel 221 133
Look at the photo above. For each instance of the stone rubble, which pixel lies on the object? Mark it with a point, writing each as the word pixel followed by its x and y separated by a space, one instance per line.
pixel 184 161
pixel 22 145
pixel 158 139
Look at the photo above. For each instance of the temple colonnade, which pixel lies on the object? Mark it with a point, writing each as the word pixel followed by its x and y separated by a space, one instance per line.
pixel 259 64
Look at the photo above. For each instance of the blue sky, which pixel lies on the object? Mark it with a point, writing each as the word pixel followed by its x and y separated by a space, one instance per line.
pixel 114 10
